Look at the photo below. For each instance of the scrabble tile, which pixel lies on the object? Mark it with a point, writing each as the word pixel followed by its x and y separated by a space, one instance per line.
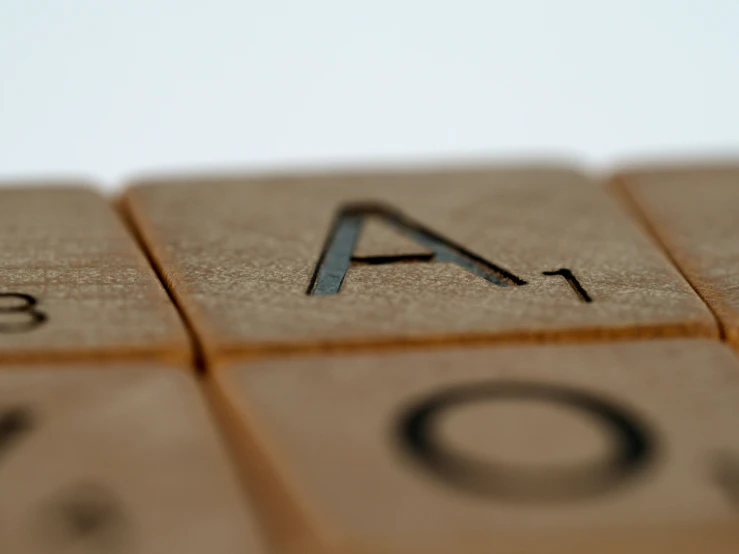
pixel 74 285
pixel 326 261
pixel 693 212
pixel 126 460
pixel 627 446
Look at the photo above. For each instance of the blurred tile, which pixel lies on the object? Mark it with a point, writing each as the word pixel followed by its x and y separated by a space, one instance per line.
pixel 609 448
pixel 125 460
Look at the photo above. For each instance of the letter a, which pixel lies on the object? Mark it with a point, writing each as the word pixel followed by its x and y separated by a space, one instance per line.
pixel 338 252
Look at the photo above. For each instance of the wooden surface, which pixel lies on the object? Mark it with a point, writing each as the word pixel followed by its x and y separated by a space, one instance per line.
pixel 694 211
pixel 333 431
pixel 96 294
pixel 239 255
pixel 122 460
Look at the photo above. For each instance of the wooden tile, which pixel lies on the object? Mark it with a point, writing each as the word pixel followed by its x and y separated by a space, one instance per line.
pixel 609 448
pixel 125 460
pixel 73 283
pixel 693 212
pixel 241 255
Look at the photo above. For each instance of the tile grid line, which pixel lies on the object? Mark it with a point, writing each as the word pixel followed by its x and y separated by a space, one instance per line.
pixel 129 220
pixel 621 191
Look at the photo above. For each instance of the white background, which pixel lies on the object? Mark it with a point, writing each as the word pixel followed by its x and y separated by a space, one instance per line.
pixel 112 89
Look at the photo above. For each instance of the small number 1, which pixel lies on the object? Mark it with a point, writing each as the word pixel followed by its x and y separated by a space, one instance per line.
pixel 573 282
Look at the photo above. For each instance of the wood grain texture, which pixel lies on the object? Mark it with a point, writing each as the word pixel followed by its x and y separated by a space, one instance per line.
pixel 694 211
pixel 125 460
pixel 66 248
pixel 330 429
pixel 238 253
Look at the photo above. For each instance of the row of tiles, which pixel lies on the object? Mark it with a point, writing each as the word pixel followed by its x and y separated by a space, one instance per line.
pixel 624 446
pixel 279 264
pixel 628 446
